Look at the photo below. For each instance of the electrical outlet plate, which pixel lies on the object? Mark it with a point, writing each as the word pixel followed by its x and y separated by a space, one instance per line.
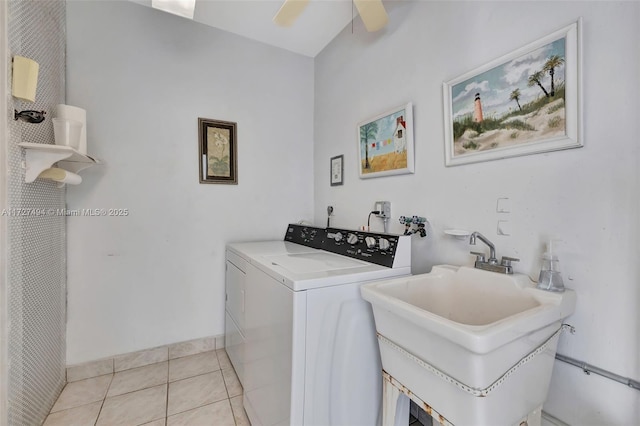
pixel 384 207
pixel 503 205
pixel 504 228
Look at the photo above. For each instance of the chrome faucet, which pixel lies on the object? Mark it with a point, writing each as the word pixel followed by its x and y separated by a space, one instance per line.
pixel 491 264
pixel 492 249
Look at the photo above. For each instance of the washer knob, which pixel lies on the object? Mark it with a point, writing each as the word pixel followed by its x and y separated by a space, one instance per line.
pixel 383 244
pixel 352 238
pixel 370 241
pixel 337 236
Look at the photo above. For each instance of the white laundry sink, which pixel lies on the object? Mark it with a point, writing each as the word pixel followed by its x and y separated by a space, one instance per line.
pixel 472 326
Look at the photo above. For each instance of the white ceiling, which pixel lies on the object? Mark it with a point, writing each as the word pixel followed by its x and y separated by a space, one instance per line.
pixel 320 22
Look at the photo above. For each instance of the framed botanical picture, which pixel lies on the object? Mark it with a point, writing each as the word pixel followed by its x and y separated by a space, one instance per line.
pixel 385 143
pixel 337 164
pixel 218 151
pixel 525 102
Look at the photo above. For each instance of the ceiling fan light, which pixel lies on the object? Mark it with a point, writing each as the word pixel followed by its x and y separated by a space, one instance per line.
pixel 185 8
pixel 372 13
pixel 289 12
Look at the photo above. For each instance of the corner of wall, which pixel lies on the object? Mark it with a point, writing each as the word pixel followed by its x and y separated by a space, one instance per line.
pixel 4 83
pixel 33 249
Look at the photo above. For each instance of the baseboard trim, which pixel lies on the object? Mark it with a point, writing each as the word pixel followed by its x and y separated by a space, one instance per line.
pixel 99 367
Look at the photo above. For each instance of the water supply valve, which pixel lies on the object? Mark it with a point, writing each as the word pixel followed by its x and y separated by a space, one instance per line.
pixel 414 225
pixel 418 220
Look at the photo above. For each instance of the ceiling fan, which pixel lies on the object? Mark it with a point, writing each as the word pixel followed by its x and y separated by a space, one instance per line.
pixel 372 13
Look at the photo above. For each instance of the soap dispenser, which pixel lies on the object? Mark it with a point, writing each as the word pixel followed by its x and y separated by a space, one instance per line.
pixel 550 278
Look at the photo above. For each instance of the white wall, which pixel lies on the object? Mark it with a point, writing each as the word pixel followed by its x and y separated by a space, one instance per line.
pixel 157 276
pixel 588 197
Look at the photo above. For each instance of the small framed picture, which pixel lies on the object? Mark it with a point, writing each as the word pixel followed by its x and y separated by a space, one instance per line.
pixel 337 164
pixel 218 151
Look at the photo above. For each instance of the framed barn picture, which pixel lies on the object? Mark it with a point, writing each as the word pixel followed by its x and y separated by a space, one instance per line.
pixel 385 143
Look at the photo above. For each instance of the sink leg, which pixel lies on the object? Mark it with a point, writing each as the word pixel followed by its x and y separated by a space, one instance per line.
pixel 395 406
pixel 534 418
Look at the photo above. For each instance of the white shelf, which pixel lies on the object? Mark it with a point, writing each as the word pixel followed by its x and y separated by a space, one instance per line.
pixel 40 157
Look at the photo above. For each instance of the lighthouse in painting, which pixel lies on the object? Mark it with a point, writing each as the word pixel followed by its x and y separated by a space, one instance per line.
pixel 477 110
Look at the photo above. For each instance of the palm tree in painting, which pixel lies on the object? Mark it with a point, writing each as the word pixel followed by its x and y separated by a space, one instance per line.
pixel 550 66
pixel 515 96
pixel 535 78
pixel 367 132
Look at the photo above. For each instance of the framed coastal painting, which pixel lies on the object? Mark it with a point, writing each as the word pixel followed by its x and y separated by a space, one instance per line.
pixel 385 143
pixel 218 151
pixel 526 102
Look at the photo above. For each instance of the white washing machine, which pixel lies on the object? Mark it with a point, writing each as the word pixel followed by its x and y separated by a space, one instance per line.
pixel 309 354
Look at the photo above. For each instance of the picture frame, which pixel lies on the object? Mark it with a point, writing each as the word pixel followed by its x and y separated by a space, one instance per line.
pixel 385 143
pixel 526 102
pixel 336 168
pixel 218 151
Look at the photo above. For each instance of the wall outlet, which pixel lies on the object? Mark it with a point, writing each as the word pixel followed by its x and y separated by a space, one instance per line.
pixel 384 207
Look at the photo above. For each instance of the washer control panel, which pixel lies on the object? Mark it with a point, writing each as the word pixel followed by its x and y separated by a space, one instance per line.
pixel 308 236
pixel 370 247
pixel 380 249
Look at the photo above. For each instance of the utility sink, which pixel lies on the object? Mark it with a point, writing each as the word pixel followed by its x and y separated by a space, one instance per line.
pixel 473 326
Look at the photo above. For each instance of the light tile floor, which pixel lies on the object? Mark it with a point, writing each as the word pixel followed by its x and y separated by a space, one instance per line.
pixel 196 390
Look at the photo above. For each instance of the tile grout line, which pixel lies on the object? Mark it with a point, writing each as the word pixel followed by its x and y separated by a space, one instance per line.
pixel 224 381
pixel 198 375
pixel 166 404
pixel 166 408
pixel 233 413
pixel 103 400
pixel 225 388
pixel 139 389
pixel 200 406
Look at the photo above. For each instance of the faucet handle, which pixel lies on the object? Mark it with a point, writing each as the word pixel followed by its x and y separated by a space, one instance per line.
pixel 479 256
pixel 506 260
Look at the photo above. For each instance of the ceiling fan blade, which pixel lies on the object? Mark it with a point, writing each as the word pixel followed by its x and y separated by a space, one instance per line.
pixel 289 12
pixel 372 13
